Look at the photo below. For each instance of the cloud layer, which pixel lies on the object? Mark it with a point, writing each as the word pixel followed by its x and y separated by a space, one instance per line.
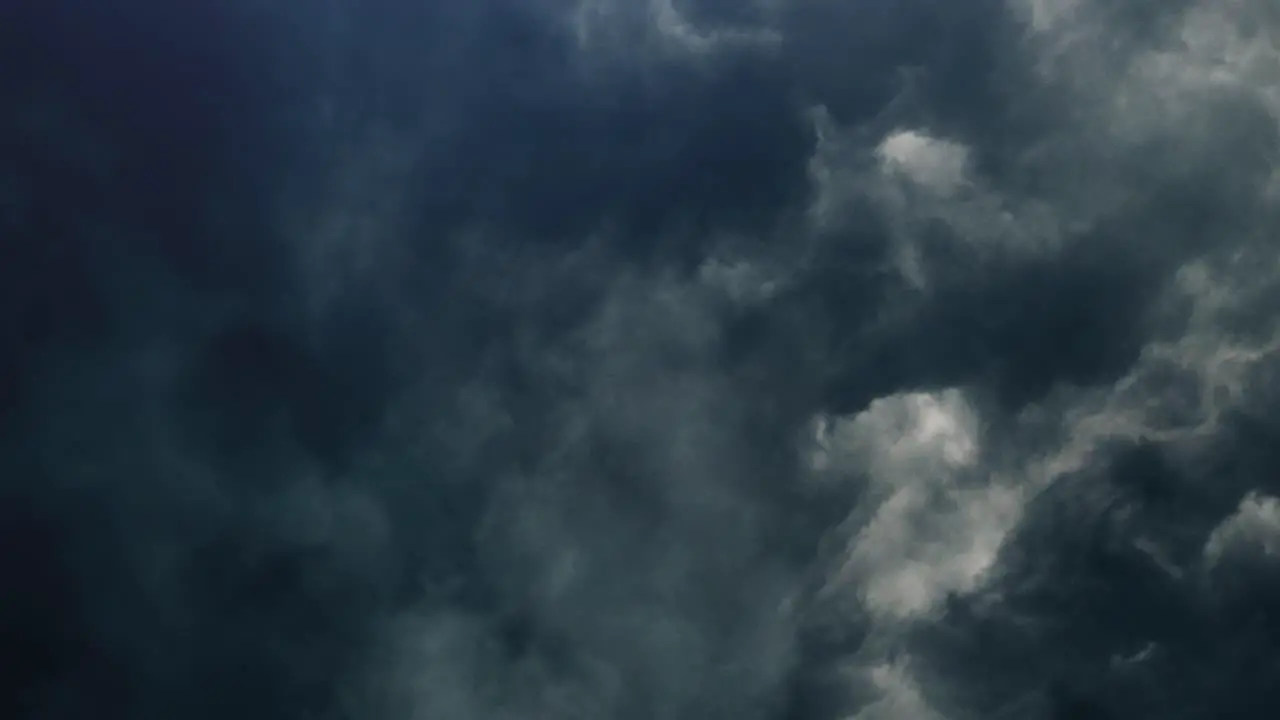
pixel 785 359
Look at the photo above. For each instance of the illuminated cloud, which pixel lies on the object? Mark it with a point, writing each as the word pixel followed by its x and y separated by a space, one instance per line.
pixel 937 165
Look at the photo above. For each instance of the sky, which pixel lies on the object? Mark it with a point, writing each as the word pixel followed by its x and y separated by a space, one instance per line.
pixel 640 359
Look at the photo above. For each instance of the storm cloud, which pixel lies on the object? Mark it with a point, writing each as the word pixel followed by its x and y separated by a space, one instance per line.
pixel 611 359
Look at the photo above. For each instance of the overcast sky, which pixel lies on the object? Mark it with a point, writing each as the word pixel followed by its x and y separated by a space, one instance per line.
pixel 640 359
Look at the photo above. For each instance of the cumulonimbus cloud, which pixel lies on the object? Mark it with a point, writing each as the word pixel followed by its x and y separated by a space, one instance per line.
pixel 788 359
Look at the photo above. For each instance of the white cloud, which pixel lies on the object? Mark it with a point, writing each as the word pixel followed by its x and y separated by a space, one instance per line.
pixel 939 165
pixel 900 696
pixel 913 555
pixel 1180 387
pixel 930 532
pixel 936 518
pixel 1254 526
pixel 918 183
pixel 1167 85
pixel 902 436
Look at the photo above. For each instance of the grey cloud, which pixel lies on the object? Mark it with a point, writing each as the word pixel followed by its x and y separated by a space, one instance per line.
pixel 789 359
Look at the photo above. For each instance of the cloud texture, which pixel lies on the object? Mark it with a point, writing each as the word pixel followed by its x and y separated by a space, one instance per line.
pixel 661 359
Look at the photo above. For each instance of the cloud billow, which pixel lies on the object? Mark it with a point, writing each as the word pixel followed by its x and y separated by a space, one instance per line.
pixel 660 359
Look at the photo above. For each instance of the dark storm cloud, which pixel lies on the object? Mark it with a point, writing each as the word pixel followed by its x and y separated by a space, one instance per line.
pixel 778 359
